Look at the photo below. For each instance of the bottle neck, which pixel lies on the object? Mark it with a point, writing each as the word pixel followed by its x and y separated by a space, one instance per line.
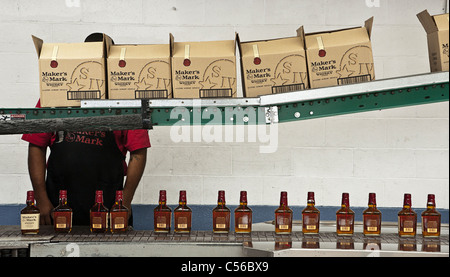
pixel 30 198
pixel 182 200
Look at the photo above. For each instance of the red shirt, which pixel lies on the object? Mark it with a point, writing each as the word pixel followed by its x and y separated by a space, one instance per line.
pixel 127 140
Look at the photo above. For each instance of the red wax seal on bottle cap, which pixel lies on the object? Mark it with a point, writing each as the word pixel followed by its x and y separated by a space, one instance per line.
pixel 182 196
pixel 30 195
pixel 162 196
pixel 187 62
pixel 431 199
pixel 372 198
pixel 63 194
pixel 53 64
pixel 119 195
pixel 243 196
pixel 407 199
pixel 311 197
pixel 122 63
pixel 283 198
pixel 99 196
pixel 221 197
pixel 257 60
pixel 345 199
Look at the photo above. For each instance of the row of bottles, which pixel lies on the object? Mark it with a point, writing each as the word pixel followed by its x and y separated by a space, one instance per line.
pixel 100 216
pixel 116 219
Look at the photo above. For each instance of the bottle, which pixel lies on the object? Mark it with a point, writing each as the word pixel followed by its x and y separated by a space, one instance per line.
pixel 162 215
pixel 221 215
pixel 283 216
pixel 30 216
pixel 62 214
pixel 243 216
pixel 372 218
pixel 310 216
pixel 118 215
pixel 431 219
pixel 99 214
pixel 182 215
pixel 407 219
pixel 345 217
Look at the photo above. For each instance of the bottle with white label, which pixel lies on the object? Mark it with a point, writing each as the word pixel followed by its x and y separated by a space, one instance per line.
pixel 30 216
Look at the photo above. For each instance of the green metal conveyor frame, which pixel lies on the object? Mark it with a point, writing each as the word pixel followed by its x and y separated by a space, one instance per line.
pixel 99 115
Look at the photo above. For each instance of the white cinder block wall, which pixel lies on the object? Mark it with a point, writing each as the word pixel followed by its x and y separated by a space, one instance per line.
pixel 388 152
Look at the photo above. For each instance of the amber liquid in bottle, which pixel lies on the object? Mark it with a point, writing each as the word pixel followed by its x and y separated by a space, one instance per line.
pixel 99 214
pixel 62 214
pixel 407 219
pixel 310 216
pixel 243 216
pixel 221 215
pixel 30 216
pixel 345 217
pixel 372 218
pixel 182 215
pixel 118 215
pixel 431 219
pixel 162 215
pixel 283 216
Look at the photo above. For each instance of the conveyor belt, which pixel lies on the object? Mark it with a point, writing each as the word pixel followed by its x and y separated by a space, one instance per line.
pixel 205 243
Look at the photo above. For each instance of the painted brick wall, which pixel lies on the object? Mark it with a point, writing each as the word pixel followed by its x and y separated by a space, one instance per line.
pixel 388 152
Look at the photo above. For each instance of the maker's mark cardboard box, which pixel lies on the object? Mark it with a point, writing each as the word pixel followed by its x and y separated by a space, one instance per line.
pixel 205 69
pixel 139 72
pixel 340 57
pixel 70 72
pixel 437 34
pixel 273 66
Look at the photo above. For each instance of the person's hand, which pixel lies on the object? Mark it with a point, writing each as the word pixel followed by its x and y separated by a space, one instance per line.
pixel 45 207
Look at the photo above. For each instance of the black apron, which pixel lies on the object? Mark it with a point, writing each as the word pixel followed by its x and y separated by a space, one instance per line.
pixel 81 163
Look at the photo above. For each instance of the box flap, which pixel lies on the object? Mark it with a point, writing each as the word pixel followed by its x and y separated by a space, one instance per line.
pixel 270 47
pixel 368 24
pixel 72 50
pixel 223 48
pixel 143 51
pixel 337 38
pixel 37 44
pixel 427 22
pixel 441 21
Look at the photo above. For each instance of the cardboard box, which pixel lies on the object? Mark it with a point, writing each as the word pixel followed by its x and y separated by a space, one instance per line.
pixel 139 72
pixel 70 72
pixel 437 34
pixel 273 66
pixel 340 57
pixel 204 69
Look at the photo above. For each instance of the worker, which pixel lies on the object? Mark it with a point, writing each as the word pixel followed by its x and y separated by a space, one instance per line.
pixel 81 163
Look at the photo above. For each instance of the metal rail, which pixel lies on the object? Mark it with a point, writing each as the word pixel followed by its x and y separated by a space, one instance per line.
pixel 276 108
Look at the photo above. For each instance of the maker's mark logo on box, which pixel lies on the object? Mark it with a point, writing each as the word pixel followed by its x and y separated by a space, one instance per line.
pixel 219 74
pixel 154 76
pixel 87 76
pixel 356 62
pixel 290 70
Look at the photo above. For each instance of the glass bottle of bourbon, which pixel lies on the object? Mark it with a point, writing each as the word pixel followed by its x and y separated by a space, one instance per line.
pixel 407 219
pixel 310 216
pixel 372 218
pixel 30 216
pixel 431 219
pixel 182 215
pixel 118 215
pixel 162 215
pixel 221 215
pixel 345 217
pixel 283 216
pixel 243 215
pixel 62 214
pixel 99 214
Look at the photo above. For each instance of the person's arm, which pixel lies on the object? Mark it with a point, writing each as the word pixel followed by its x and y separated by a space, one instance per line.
pixel 37 169
pixel 136 166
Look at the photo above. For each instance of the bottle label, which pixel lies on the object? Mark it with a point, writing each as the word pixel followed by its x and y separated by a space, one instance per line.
pixel 161 222
pixel 118 222
pixel 283 223
pixel 344 228
pixel 29 221
pixel 96 222
pixel 221 223
pixel 182 223
pixel 61 222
